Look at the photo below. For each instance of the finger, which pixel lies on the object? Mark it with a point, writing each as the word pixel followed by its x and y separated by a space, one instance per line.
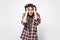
pixel 26 9
pixel 34 8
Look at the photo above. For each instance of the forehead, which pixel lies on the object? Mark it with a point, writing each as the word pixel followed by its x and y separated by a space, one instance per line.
pixel 30 7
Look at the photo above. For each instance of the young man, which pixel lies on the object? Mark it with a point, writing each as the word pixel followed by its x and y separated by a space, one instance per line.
pixel 30 19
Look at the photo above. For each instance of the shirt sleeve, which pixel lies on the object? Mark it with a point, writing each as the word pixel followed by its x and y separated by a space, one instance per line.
pixel 22 20
pixel 37 21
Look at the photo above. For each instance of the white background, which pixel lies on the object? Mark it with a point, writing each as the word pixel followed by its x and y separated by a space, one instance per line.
pixel 10 19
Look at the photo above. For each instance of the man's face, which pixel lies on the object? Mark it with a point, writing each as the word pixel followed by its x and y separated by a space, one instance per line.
pixel 30 10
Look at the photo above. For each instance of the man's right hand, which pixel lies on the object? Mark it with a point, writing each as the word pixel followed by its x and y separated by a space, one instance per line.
pixel 25 17
pixel 26 10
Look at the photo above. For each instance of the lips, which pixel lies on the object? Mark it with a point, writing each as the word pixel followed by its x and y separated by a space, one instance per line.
pixel 30 12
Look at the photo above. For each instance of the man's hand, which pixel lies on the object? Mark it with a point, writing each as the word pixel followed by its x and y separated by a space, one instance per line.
pixel 26 10
pixel 35 13
pixel 25 17
pixel 34 9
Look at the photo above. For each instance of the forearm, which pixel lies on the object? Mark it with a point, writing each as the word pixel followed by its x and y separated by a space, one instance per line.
pixel 25 18
pixel 35 16
pixel 37 19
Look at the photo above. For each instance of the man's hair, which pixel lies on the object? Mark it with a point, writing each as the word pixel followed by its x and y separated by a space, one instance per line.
pixel 30 5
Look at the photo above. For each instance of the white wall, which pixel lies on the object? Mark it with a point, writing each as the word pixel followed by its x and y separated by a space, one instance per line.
pixel 11 13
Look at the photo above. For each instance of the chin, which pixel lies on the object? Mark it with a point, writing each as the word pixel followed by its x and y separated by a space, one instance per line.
pixel 30 14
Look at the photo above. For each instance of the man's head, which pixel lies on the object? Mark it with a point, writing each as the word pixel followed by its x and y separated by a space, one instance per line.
pixel 30 8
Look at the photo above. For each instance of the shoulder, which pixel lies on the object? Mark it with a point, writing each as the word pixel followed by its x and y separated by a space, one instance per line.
pixel 38 14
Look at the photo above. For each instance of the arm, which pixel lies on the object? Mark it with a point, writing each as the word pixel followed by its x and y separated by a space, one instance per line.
pixel 24 21
pixel 37 19
pixel 24 17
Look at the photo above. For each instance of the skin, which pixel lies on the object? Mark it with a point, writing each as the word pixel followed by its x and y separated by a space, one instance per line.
pixel 30 11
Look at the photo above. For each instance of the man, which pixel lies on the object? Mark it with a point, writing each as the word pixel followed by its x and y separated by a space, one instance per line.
pixel 30 19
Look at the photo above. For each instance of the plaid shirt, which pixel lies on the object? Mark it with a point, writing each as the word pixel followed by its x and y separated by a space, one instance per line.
pixel 26 35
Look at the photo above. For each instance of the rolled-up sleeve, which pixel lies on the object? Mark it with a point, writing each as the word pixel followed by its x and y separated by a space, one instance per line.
pixel 22 20
pixel 37 21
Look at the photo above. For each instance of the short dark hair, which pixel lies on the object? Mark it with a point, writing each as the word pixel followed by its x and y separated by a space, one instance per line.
pixel 30 5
